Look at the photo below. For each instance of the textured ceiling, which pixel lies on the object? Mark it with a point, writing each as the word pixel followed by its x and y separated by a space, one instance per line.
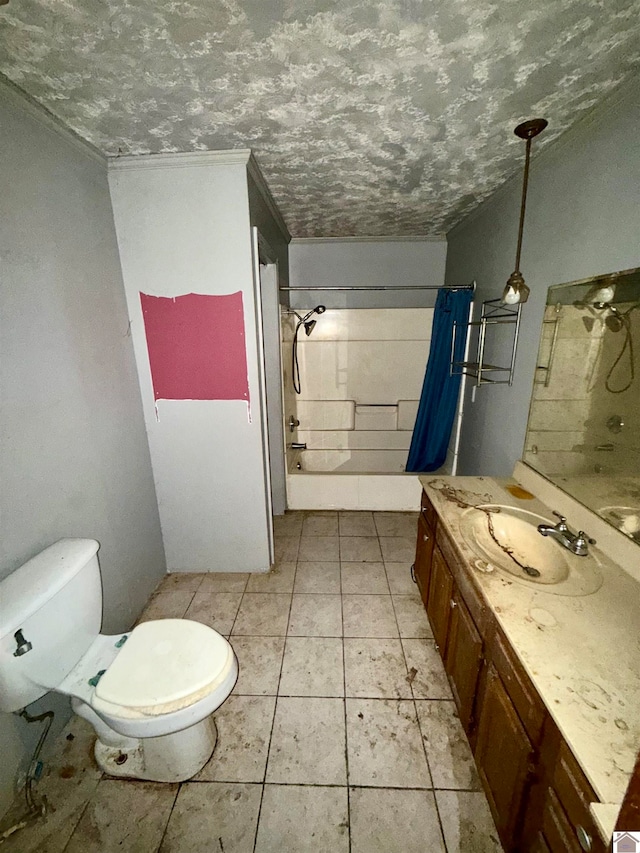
pixel 392 117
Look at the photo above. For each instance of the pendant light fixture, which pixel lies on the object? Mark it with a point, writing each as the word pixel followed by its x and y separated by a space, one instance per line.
pixel 516 290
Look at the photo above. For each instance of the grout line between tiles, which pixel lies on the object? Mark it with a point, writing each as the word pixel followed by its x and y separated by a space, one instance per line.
pixel 333 785
pixel 424 747
pixel 189 605
pixel 166 826
pixel 275 709
pixel 344 708
pixel 77 824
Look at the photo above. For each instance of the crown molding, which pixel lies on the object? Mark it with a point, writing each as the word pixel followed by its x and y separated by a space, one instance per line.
pixel 186 159
pixel 19 99
pixel 263 188
pixel 432 238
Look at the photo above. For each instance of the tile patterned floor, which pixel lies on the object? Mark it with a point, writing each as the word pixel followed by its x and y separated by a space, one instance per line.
pixel 326 744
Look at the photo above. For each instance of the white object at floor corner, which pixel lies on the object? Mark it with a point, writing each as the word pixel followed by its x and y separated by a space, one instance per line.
pixel 148 694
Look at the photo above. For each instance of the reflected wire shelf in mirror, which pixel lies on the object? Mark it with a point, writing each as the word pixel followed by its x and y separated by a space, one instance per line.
pixel 494 315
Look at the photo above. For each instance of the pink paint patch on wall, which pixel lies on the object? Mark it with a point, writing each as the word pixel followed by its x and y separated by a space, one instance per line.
pixel 196 346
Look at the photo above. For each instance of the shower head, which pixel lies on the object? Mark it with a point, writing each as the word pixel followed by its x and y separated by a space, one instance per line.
pixel 319 309
pixel 309 324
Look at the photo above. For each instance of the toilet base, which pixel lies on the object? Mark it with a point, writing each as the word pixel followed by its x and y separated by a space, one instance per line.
pixel 168 758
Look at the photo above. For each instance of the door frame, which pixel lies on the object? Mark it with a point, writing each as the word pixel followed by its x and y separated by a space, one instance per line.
pixel 270 377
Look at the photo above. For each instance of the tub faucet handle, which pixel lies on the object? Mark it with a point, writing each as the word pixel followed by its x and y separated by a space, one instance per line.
pixel 24 646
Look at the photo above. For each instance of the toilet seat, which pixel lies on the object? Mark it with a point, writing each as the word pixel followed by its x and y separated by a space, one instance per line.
pixel 165 666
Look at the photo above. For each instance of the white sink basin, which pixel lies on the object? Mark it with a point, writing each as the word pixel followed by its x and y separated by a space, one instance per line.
pixel 507 539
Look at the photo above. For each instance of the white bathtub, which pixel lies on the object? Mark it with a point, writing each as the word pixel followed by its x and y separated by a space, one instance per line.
pixel 353 461
pixel 356 480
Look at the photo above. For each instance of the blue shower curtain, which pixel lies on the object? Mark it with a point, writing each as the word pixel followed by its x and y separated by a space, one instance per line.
pixel 439 398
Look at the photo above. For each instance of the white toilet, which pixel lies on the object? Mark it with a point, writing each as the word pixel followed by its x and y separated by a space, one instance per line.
pixel 149 693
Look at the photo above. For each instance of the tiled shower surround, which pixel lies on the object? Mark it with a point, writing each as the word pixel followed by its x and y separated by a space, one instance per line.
pixel 340 736
pixel 361 376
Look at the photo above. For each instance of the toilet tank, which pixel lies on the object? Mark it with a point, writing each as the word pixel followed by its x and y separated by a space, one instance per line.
pixel 55 600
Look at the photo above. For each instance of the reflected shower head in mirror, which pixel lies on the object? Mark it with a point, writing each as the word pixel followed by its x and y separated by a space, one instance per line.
pixel 615 321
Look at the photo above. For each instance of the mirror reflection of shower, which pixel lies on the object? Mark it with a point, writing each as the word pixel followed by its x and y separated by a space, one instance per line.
pixel 615 321
pixel 309 326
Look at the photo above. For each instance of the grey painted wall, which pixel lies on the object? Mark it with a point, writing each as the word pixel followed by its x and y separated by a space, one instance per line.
pixel 361 263
pixel 74 454
pixel 583 215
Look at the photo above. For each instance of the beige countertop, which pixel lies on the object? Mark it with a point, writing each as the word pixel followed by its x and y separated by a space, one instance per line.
pixel 582 653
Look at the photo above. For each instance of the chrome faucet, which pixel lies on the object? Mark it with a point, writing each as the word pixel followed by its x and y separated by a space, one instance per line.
pixel 577 543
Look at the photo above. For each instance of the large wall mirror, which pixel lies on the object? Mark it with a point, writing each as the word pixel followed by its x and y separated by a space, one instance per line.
pixel 584 422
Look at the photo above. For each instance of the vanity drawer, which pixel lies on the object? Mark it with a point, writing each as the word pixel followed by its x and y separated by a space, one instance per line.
pixel 522 693
pixel 556 828
pixel 575 793
pixel 475 604
pixel 428 512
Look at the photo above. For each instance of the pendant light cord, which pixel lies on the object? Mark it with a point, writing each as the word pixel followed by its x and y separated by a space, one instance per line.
pixel 523 202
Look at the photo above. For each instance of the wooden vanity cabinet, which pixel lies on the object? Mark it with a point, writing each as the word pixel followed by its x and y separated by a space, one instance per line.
pixel 538 795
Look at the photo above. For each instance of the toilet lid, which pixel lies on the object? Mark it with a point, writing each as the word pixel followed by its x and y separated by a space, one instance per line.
pixel 163 662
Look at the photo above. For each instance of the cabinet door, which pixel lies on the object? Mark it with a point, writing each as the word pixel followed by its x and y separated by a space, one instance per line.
pixel 439 601
pixel 504 756
pixel 464 659
pixel 424 553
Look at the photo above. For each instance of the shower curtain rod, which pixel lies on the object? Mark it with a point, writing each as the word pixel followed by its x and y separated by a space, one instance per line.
pixel 385 287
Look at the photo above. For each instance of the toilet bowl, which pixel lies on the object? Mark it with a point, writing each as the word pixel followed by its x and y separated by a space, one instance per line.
pixel 158 684
pixel 149 693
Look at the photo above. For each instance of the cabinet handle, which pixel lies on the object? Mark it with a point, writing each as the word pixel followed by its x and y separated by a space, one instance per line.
pixel 425 538
pixel 453 604
pixel 584 839
pixel 413 572
pixel 437 647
